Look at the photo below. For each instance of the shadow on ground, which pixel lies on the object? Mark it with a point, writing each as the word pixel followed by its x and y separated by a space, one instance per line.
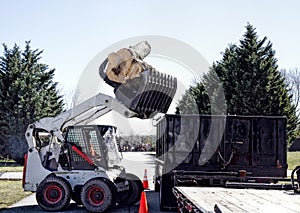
pixel 71 208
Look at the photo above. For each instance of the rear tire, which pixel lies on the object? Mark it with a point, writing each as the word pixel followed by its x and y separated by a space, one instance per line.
pixel 97 195
pixel 133 195
pixel 53 194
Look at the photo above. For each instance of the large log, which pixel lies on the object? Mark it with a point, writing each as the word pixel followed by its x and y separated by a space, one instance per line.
pixel 127 63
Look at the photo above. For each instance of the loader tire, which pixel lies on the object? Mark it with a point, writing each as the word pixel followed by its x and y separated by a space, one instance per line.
pixel 53 194
pixel 97 195
pixel 133 195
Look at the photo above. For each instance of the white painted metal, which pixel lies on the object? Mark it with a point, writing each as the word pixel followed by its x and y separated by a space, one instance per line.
pixel 81 114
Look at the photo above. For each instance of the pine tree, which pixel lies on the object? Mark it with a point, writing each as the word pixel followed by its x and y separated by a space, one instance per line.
pixel 252 83
pixel 28 93
pixel 191 105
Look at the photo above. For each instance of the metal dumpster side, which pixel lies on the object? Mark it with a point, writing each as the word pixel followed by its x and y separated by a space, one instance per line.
pixel 253 145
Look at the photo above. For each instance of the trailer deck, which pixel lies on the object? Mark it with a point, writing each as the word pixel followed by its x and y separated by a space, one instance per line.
pixel 225 200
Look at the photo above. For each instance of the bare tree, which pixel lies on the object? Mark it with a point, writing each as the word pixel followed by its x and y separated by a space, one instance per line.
pixel 70 97
pixel 292 78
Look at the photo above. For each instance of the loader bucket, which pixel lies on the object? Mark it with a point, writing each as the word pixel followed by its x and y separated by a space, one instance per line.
pixel 148 93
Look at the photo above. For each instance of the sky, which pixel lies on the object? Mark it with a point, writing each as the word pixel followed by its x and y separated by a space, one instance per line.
pixel 72 32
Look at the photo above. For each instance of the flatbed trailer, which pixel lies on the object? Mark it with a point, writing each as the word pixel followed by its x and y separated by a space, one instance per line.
pixel 225 200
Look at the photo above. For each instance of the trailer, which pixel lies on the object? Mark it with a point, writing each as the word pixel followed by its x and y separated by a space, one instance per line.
pixel 208 151
pixel 224 200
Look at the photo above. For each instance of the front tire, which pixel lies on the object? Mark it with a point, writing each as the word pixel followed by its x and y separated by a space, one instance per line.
pixel 53 194
pixel 97 195
pixel 133 195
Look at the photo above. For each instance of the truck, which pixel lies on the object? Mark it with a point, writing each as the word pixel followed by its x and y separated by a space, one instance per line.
pixel 224 163
pixel 68 158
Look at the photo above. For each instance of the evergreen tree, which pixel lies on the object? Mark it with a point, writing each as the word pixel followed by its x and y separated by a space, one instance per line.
pixel 252 83
pixel 28 93
pixel 191 105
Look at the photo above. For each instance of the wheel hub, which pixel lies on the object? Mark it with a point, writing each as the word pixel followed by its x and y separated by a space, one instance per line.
pixel 97 195
pixel 53 194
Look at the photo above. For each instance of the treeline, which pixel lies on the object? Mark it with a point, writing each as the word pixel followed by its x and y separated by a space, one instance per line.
pixel 135 142
pixel 27 93
pixel 246 81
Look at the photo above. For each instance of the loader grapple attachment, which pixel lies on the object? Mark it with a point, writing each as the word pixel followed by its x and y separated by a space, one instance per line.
pixel 146 94
pixel 150 92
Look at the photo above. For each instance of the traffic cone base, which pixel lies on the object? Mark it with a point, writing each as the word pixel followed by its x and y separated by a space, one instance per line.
pixel 143 203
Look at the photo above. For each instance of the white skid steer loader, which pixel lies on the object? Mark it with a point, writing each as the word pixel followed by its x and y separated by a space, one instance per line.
pixel 81 162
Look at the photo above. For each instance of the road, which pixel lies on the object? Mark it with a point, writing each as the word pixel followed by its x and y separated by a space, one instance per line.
pixel 134 162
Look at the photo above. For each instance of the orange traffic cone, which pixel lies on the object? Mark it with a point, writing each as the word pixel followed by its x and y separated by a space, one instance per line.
pixel 143 203
pixel 145 180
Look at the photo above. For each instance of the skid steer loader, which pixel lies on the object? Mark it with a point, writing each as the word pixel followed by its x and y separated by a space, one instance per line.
pixel 68 159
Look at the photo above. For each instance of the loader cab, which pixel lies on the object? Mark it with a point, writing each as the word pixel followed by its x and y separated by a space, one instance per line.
pixel 89 147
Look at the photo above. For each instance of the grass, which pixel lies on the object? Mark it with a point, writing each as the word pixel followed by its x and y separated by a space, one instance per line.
pixel 293 159
pixel 8 165
pixel 11 168
pixel 3 160
pixel 11 192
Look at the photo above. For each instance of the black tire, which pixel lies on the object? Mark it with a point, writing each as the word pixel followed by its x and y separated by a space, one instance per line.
pixel 97 195
pixel 156 185
pixel 53 194
pixel 133 195
pixel 76 195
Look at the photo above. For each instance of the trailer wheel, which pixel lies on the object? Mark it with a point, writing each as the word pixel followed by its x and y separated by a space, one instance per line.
pixel 53 194
pixel 97 195
pixel 133 195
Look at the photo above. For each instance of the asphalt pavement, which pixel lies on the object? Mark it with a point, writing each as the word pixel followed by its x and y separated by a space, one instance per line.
pixel 11 175
pixel 29 204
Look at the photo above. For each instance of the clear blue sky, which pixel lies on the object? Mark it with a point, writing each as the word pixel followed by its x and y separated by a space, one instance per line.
pixel 72 32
